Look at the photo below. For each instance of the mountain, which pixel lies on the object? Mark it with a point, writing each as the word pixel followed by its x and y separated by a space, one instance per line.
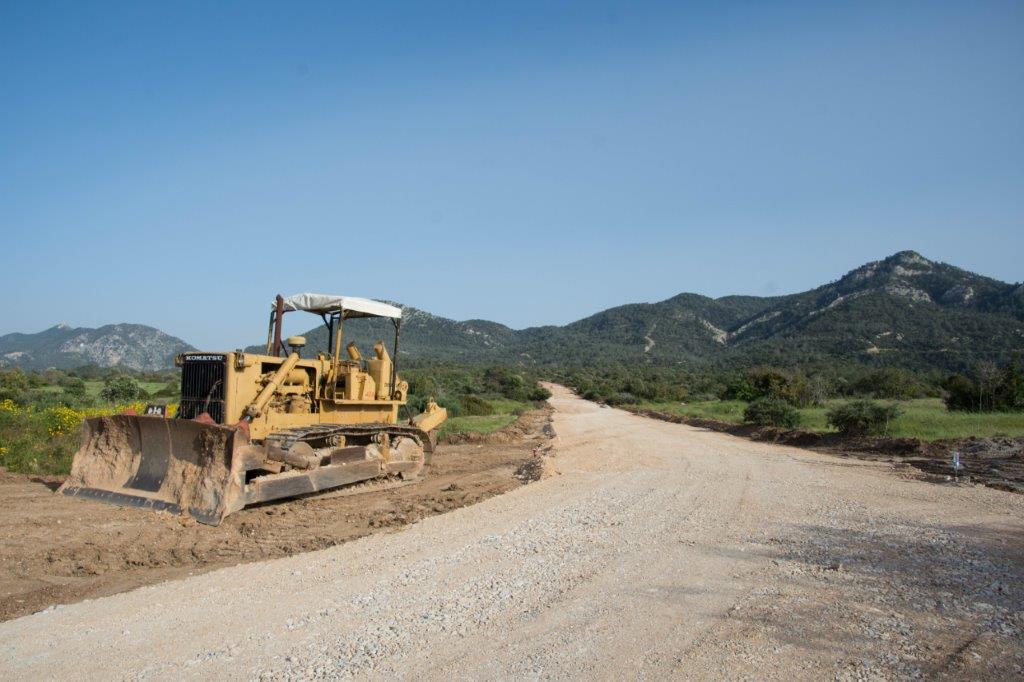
pixel 424 337
pixel 904 310
pixel 128 345
pixel 687 327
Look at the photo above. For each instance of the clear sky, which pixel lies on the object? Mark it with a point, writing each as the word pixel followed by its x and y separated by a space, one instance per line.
pixel 179 163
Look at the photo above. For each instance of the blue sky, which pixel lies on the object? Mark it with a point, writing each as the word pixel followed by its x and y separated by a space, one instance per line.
pixel 177 164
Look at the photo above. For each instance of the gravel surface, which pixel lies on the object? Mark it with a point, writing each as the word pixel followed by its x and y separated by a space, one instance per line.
pixel 659 550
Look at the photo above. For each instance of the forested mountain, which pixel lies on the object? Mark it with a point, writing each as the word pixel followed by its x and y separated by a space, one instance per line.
pixel 904 311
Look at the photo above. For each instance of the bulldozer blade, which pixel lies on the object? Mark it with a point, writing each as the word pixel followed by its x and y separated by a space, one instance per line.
pixel 174 465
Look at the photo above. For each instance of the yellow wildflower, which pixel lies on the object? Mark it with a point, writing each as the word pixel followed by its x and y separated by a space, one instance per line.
pixel 61 420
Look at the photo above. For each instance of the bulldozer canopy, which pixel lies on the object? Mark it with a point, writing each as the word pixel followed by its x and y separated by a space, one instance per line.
pixel 351 305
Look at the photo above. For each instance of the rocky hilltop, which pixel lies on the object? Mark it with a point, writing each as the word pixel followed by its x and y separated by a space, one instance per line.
pixel 134 346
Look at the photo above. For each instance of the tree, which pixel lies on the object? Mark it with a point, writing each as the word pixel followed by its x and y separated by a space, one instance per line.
pixel 820 388
pixel 13 385
pixel 988 384
pixel 739 389
pixel 1009 394
pixel 122 389
pixel 505 381
pixel 993 390
pixel 961 394
pixel 775 383
pixel 74 388
pixel 889 383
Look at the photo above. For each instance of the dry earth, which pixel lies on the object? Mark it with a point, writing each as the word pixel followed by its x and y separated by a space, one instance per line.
pixel 56 549
pixel 662 550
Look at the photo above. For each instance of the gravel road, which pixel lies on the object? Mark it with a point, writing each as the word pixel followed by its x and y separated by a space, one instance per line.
pixel 660 550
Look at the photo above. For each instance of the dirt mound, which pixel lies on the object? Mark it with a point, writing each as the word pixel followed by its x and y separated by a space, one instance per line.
pixel 539 466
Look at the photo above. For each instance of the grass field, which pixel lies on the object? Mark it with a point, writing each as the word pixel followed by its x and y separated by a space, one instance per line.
pixel 93 387
pixel 505 412
pixel 926 418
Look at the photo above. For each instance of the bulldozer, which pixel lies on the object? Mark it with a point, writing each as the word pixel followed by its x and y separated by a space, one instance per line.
pixel 255 427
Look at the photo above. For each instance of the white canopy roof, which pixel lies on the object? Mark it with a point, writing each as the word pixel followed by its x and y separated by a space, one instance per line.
pixel 353 307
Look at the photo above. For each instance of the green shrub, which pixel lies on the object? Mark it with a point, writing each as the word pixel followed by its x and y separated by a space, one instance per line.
pixel 505 381
pixel 772 411
pixel 1011 386
pixel 961 394
pixel 739 389
pixel 772 383
pixel 122 389
pixel 539 393
pixel 14 385
pixel 37 441
pixel 472 406
pixel 862 417
pixel 889 383
pixel 74 388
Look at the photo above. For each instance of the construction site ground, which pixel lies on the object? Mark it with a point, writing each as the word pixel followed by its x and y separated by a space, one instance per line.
pixel 658 551
pixel 55 549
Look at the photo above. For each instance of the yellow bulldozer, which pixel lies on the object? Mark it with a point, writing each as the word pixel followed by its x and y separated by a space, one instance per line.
pixel 254 427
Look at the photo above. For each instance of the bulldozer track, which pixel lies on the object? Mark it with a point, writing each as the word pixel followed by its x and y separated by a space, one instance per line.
pixel 373 485
pixel 321 434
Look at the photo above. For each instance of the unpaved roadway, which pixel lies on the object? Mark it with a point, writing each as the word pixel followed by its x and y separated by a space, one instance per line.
pixel 661 550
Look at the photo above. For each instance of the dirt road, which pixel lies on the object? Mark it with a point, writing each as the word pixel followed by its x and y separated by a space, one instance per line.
pixel 661 550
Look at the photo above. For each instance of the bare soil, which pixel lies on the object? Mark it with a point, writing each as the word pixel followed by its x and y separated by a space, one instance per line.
pixel 57 550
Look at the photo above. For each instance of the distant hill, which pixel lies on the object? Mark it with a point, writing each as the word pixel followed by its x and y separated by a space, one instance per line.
pixel 423 336
pixel 127 345
pixel 903 311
